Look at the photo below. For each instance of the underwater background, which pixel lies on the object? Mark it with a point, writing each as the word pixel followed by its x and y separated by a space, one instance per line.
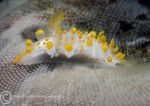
pixel 70 83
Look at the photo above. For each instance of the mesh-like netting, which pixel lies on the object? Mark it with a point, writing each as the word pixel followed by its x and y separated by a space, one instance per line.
pixel 68 83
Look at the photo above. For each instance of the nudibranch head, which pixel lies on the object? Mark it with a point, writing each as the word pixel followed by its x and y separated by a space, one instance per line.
pixel 72 42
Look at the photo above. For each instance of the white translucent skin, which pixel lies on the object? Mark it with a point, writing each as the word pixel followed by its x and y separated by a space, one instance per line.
pixel 94 52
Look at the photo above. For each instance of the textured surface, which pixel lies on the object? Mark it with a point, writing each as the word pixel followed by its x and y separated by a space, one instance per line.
pixel 6 6
pixel 70 83
pixel 77 85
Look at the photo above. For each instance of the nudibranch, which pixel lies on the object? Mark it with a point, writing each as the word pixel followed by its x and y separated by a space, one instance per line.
pixel 70 43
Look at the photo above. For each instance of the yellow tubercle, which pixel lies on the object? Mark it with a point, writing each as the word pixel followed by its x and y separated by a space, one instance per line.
pixel 103 38
pixel 49 45
pixel 93 34
pixel 29 49
pixel 112 43
pixel 120 56
pixel 99 36
pixel 44 43
pixel 109 59
pixel 28 42
pixel 82 48
pixel 86 33
pixel 73 30
pixel 89 42
pixel 116 49
pixel 47 38
pixel 66 39
pixel 105 43
pixel 78 32
pixel 68 47
pixel 80 36
pixel 101 33
pixel 104 47
pixel 38 43
pixel 39 32
pixel 64 31
pixel 72 38
pixel 98 39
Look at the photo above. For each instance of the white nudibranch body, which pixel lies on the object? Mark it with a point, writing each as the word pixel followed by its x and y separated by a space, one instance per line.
pixel 71 43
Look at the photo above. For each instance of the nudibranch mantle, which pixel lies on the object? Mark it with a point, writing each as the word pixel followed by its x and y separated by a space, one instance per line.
pixel 70 43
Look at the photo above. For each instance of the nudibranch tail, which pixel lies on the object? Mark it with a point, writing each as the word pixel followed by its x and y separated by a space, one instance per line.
pixel 70 43
pixel 19 57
